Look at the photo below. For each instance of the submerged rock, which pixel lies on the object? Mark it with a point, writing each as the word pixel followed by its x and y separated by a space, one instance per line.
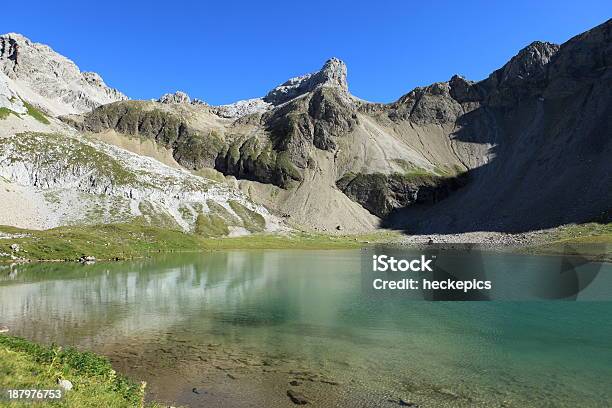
pixel 297 398
pixel 403 402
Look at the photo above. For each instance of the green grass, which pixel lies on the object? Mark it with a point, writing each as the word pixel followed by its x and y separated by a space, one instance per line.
pixel 156 216
pixel 211 225
pixel 418 176
pixel 301 240
pixel 251 220
pixel 591 240
pixel 36 114
pixel 219 210
pixel 107 241
pixel 26 365
pixel 210 174
pixel 124 241
pixel 5 112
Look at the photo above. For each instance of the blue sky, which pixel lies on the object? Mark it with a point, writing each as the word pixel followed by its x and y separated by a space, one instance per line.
pixel 223 51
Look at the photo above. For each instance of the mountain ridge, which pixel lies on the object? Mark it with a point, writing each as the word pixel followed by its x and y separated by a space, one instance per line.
pixel 325 160
pixel 49 80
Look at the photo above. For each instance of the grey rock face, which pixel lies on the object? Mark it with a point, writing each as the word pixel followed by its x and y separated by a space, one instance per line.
pixel 9 99
pixel 177 97
pixel 427 105
pixel 57 85
pixel 463 90
pixel 242 108
pixel 332 116
pixel 315 121
pixel 332 74
pixel 530 61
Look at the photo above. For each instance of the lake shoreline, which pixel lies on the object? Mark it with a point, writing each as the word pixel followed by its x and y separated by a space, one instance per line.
pixel 120 242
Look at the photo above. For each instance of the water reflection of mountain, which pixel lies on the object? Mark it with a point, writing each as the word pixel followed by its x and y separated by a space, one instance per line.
pixel 239 288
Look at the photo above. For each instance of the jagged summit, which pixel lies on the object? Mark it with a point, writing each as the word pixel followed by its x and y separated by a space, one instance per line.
pixel 333 73
pixel 529 62
pixel 176 97
pixel 18 38
pixel 49 80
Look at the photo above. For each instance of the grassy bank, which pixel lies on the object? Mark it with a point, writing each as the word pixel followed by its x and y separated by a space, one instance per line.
pixel 590 240
pixel 26 365
pixel 133 240
pixel 124 241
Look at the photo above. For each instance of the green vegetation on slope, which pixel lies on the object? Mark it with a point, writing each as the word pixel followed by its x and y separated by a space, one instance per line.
pixel 123 241
pixel 255 161
pixel 190 147
pixel 221 211
pixel 211 225
pixel 252 221
pixel 31 110
pixel 157 216
pixel 5 112
pixel 26 365
pixel 381 193
pixel 53 148
pixel 36 114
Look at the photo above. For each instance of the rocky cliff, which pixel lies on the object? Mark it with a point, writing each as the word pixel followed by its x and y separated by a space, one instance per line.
pixel 48 80
pixel 547 117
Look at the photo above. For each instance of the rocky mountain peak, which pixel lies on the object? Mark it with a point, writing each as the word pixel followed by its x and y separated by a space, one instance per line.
pixel 177 97
pixel 333 73
pixel 49 80
pixel 528 62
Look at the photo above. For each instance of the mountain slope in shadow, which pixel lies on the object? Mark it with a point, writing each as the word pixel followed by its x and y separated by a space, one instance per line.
pixel 548 116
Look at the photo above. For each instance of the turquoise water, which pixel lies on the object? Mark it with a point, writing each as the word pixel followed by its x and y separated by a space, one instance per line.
pixel 264 318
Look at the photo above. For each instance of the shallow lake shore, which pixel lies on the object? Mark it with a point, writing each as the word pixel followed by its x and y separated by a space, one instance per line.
pixel 266 327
